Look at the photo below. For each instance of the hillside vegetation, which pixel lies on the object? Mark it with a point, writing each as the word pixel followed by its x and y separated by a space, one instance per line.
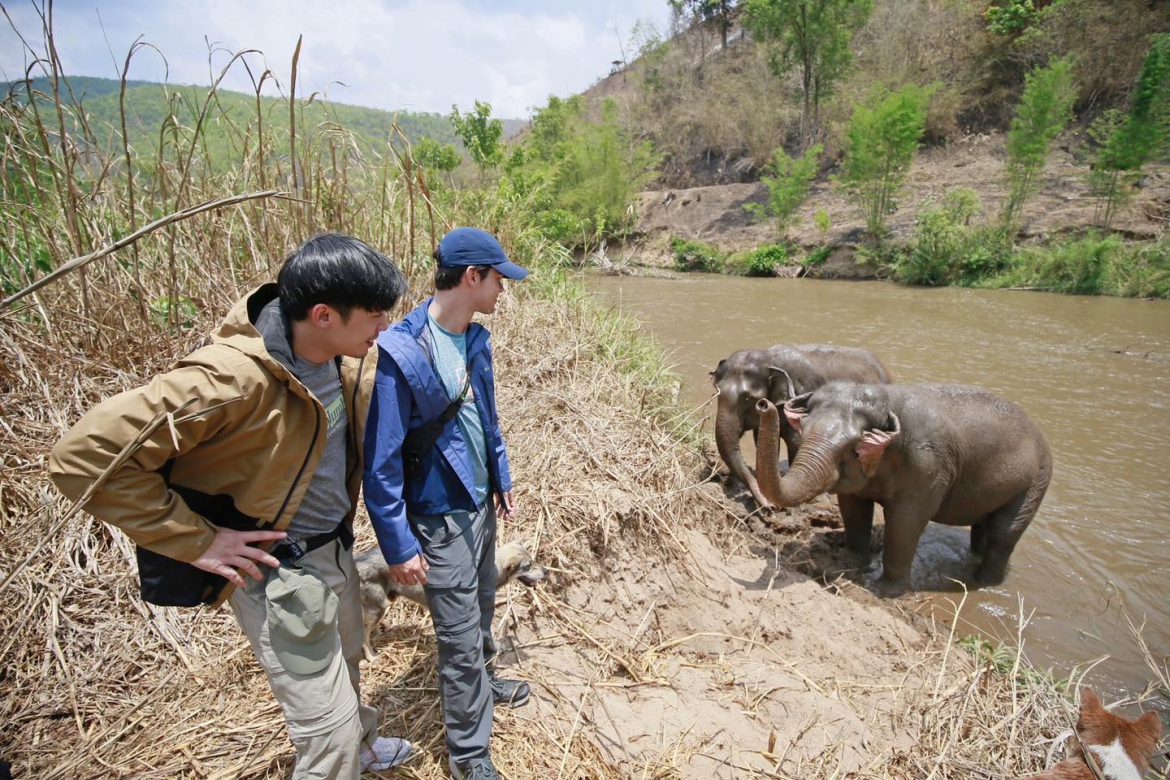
pixel 836 129
pixel 717 114
pixel 156 111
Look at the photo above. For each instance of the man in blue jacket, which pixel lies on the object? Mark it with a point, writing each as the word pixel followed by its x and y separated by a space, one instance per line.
pixel 436 475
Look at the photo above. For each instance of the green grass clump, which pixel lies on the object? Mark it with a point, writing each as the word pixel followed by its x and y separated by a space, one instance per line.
pixel 759 262
pixel 1092 265
pixel 697 256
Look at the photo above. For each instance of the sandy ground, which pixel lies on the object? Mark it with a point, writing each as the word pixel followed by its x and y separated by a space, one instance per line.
pixel 728 664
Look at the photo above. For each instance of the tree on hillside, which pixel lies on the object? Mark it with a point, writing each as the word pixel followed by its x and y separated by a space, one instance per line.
pixel 813 34
pixel 436 157
pixel 1126 143
pixel 882 141
pixel 482 135
pixel 788 186
pixel 584 176
pixel 1044 110
pixel 704 11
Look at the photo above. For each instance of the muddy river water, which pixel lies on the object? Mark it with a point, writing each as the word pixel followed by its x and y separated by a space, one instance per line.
pixel 1093 372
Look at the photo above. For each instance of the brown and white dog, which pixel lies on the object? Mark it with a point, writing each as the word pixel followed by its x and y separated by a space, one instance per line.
pixel 1121 748
pixel 513 562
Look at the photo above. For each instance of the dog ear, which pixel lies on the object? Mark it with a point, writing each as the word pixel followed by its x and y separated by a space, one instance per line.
pixel 1151 724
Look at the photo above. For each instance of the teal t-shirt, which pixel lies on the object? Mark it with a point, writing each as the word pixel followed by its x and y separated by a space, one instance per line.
pixel 450 354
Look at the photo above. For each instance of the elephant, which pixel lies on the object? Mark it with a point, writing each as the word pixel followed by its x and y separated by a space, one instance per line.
pixel 949 453
pixel 778 373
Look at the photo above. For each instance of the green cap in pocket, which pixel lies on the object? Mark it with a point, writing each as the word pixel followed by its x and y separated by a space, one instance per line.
pixel 302 619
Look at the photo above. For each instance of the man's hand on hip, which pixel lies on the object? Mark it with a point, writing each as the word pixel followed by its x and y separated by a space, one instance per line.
pixel 232 550
pixel 412 572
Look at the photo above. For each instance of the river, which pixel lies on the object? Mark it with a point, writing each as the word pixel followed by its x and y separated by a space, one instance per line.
pixel 1093 372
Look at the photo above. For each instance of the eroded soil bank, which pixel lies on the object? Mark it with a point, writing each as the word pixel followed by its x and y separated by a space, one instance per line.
pixel 1063 206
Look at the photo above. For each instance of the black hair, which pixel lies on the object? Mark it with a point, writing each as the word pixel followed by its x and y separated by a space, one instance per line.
pixel 447 276
pixel 341 272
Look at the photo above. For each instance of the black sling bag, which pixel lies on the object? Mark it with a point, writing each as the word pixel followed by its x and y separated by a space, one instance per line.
pixel 422 439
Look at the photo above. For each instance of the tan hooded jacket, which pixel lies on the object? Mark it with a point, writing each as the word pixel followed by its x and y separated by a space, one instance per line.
pixel 259 446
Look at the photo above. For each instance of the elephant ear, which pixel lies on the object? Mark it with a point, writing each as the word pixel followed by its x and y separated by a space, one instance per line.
pixel 795 410
pixel 718 373
pixel 873 445
pixel 774 375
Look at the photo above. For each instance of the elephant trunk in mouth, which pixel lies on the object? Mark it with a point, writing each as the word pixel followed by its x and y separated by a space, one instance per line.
pixel 727 435
pixel 811 473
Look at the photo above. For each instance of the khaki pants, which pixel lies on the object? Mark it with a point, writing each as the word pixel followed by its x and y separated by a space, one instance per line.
pixel 326 720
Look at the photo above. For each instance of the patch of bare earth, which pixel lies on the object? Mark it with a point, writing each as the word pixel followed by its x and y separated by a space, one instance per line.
pixel 1064 205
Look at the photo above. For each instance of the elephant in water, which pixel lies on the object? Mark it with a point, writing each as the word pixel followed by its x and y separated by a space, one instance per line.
pixel 777 374
pixel 952 454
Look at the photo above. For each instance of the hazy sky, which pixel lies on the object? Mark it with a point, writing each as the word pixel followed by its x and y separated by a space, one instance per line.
pixel 419 55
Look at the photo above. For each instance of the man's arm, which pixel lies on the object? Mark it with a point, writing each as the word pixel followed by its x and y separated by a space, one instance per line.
pixel 135 497
pixel 384 480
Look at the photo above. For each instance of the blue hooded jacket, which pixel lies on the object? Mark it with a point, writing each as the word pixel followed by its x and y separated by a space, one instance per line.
pixel 408 393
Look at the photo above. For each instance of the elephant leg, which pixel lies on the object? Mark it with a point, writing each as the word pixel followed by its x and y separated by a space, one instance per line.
pixel 1005 526
pixel 904 527
pixel 979 538
pixel 857 515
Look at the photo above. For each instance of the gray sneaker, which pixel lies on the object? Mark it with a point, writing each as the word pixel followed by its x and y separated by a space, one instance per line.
pixel 512 693
pixel 479 769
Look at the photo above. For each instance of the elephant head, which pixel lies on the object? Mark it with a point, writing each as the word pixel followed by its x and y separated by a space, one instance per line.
pixel 743 379
pixel 845 431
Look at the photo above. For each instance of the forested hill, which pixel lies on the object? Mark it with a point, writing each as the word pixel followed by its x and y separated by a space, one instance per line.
pixel 148 105
pixel 720 98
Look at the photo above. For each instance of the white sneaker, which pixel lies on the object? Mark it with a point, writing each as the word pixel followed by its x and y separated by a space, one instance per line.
pixel 386 753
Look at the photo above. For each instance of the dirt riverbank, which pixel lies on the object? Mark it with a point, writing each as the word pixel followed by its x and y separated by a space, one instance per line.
pixel 716 215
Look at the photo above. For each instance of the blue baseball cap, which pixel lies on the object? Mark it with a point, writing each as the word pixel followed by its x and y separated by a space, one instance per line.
pixel 467 246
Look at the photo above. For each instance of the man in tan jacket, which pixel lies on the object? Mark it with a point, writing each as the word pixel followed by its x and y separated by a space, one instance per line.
pixel 244 485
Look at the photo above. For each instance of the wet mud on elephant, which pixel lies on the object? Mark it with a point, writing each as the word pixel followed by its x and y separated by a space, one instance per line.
pixel 944 453
pixel 777 374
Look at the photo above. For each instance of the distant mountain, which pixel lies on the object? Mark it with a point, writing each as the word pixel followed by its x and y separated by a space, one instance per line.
pixel 232 116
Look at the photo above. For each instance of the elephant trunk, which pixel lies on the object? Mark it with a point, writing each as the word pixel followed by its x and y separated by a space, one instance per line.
pixel 727 435
pixel 812 472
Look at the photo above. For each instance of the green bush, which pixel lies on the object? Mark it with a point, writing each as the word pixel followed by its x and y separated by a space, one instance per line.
pixel 588 173
pixel 1009 17
pixel 883 138
pixel 697 256
pixel 989 253
pixel 1142 272
pixel 789 186
pixel 943 243
pixel 1080 266
pixel 1044 110
pixel 884 258
pixel 818 256
pixel 1127 142
pixel 763 261
pixel 822 220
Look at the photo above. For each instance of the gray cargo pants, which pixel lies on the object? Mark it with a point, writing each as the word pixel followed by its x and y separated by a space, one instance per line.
pixel 460 549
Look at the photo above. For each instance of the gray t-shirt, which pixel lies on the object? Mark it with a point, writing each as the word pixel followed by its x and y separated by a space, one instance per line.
pixel 326 503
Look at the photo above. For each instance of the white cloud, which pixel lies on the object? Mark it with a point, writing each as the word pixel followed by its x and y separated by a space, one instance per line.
pixel 420 55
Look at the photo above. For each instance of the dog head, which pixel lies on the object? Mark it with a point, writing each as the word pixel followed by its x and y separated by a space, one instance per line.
pixel 1120 746
pixel 515 563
